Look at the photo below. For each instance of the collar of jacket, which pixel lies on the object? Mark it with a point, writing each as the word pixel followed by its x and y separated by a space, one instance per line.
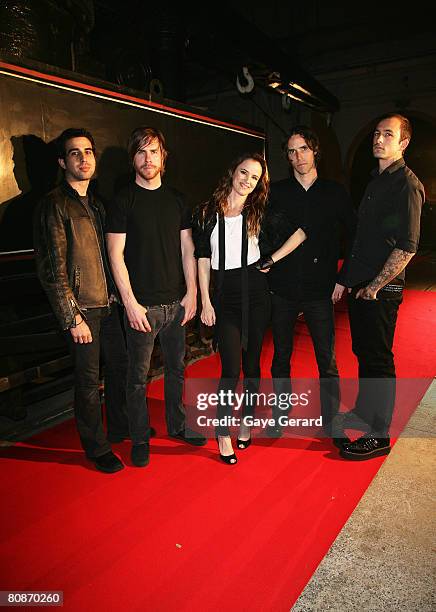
pixel 66 187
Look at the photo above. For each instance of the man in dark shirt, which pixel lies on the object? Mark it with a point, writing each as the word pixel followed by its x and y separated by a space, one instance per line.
pixel 74 271
pixel 305 280
pixel 152 256
pixel 386 240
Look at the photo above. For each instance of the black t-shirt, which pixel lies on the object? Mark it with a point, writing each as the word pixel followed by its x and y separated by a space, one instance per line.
pixel 389 218
pixel 152 221
pixel 325 212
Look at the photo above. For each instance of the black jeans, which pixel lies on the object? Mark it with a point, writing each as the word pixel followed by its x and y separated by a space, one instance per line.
pixel 108 341
pixel 319 317
pixel 165 322
pixel 372 324
pixel 114 353
pixel 228 335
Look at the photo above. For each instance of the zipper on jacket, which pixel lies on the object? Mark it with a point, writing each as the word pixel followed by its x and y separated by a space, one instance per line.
pixel 75 309
pixel 104 252
pixel 107 305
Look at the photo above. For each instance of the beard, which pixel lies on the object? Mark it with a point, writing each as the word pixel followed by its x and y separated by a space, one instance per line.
pixel 148 173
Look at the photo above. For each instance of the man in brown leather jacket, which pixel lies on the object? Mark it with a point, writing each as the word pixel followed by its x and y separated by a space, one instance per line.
pixel 73 269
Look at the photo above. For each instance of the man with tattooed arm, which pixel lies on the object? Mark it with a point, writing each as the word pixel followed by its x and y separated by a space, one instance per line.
pixel 386 239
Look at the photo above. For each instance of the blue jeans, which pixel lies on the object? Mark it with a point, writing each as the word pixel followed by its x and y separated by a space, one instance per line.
pixel 319 317
pixel 165 322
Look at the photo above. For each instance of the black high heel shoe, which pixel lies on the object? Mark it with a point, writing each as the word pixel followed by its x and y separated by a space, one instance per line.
pixel 243 443
pixel 228 459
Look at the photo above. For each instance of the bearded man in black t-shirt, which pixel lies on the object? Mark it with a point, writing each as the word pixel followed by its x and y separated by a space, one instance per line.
pixel 152 257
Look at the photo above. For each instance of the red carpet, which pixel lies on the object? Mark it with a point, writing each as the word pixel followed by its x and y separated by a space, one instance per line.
pixel 188 532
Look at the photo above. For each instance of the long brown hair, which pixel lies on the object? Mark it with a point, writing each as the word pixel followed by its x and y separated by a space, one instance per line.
pixel 141 137
pixel 254 204
pixel 310 137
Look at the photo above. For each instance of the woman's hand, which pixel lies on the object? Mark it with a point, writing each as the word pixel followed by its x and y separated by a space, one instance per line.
pixel 208 315
pixel 264 264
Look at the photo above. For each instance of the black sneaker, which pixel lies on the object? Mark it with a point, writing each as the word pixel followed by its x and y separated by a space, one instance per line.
pixel 341 442
pixel 366 448
pixel 190 437
pixel 107 463
pixel 140 454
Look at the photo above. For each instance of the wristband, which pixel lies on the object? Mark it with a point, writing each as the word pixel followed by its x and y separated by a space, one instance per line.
pixel 264 263
pixel 75 324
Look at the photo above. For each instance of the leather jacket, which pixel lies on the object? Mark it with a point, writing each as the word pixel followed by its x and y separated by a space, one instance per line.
pixel 69 260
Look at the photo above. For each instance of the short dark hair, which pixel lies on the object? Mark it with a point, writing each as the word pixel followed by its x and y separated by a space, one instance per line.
pixel 69 133
pixel 405 125
pixel 142 136
pixel 310 137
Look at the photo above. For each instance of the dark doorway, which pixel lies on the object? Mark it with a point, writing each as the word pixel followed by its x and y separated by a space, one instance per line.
pixel 420 156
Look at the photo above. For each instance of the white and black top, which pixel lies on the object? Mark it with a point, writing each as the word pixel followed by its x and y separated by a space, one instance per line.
pixel 213 236
pixel 233 245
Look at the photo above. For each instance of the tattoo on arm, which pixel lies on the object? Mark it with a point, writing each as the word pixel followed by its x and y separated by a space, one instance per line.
pixel 395 263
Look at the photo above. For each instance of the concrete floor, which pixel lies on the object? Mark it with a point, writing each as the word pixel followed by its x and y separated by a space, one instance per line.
pixel 384 559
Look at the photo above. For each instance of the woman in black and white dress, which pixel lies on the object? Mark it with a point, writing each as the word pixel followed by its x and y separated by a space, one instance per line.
pixel 226 230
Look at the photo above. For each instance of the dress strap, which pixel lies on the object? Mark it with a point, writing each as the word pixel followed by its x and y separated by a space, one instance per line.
pixel 244 283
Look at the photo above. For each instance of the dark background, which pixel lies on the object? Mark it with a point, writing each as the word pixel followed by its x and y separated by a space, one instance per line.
pixel 34 114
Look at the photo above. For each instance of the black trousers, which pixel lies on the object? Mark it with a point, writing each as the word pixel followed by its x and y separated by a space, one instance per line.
pixel 228 336
pixel 319 317
pixel 108 342
pixel 372 324
pixel 114 354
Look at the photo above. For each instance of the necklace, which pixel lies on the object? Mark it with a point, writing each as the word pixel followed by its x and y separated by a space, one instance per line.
pixel 231 225
pixel 235 212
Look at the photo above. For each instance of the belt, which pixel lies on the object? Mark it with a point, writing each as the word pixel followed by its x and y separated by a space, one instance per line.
pixel 391 288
